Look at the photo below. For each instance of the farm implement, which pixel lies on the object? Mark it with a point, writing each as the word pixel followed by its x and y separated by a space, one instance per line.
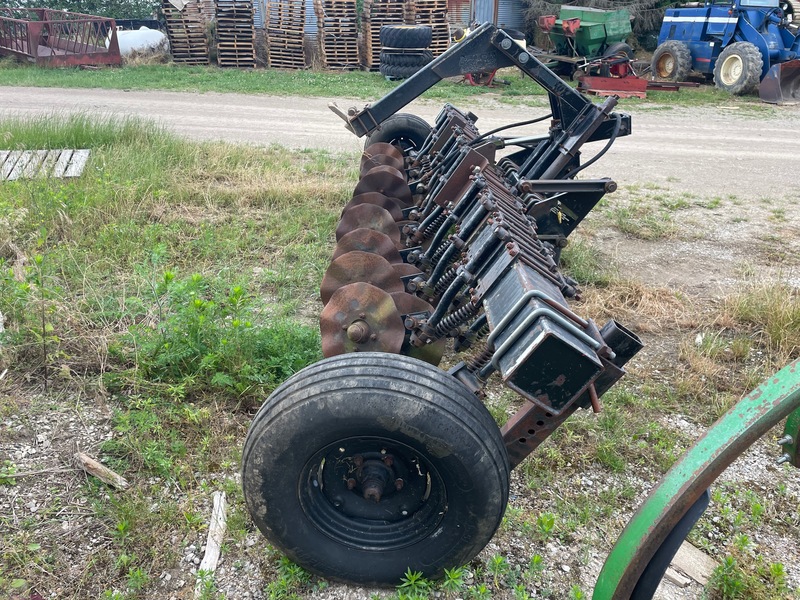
pixel 375 460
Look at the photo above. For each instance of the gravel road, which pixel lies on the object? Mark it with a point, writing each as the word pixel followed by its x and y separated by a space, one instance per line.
pixel 733 150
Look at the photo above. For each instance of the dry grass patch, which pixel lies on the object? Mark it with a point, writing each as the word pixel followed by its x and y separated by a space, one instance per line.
pixel 644 308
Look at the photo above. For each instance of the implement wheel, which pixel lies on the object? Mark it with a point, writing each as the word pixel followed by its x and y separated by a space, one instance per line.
pixel 738 68
pixel 364 465
pixel 672 61
pixel 406 131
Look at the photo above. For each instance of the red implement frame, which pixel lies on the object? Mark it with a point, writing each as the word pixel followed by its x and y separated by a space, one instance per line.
pixel 58 39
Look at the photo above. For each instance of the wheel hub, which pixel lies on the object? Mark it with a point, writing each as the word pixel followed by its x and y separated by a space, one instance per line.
pixel 375 493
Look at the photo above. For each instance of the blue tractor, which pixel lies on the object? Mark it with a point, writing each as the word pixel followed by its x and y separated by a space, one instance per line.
pixel 743 44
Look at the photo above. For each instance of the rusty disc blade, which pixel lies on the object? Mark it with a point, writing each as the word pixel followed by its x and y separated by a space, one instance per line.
pixel 381 148
pixel 430 353
pixel 359 266
pixel 393 205
pixel 378 160
pixel 368 240
pixel 360 318
pixel 368 216
pixel 404 269
pixel 386 181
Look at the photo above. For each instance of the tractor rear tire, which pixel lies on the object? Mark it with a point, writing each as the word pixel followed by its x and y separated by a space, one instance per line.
pixel 672 61
pixel 406 36
pixel 401 59
pixel 738 68
pixel 404 130
pixel 363 466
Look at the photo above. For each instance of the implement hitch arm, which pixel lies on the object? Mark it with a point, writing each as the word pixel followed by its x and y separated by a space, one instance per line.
pixel 485 49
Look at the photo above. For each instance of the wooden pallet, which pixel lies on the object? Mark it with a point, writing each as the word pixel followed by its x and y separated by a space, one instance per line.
pixel 186 30
pixel 338 33
pixel 285 26
pixel 235 34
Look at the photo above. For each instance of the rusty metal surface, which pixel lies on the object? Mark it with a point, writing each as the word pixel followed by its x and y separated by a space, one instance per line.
pixel 386 181
pixel 368 240
pixel 357 266
pixel 393 205
pixel 381 148
pixel 360 318
pixel 368 216
pixel 408 304
pixel 58 38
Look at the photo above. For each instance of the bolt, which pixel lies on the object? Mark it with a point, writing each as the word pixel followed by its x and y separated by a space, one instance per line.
pixel 505 44
pixel 358 460
pixel 786 441
pixel 783 459
pixel 351 483
pixel 388 461
pixel 524 57
pixel 373 337
pixel 398 484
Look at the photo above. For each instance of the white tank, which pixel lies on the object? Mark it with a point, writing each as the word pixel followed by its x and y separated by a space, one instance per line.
pixel 141 40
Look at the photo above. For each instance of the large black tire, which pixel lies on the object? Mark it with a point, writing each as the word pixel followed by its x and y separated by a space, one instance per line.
pixel 406 131
pixel 619 50
pixel 349 427
pixel 406 36
pixel 738 68
pixel 416 59
pixel 672 61
pixel 397 72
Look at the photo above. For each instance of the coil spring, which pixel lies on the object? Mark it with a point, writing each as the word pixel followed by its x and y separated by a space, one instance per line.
pixel 437 256
pixel 452 321
pixel 445 281
pixel 434 227
pixel 477 362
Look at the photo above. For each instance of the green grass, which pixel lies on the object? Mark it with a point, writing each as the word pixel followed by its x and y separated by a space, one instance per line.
pixel 172 77
pixel 354 84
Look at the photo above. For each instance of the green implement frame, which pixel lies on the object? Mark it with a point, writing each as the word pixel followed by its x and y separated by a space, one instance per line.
pixel 684 485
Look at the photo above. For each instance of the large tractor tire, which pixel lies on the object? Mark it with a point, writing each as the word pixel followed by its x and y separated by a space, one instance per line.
pixel 738 68
pixel 397 71
pixel 363 466
pixel 406 131
pixel 416 59
pixel 791 9
pixel 406 36
pixel 672 61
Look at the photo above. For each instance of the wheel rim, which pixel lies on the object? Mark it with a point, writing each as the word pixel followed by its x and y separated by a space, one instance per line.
pixel 349 490
pixel 731 70
pixel 666 65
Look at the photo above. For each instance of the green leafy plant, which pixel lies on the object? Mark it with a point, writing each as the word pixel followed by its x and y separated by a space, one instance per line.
pixel 7 471
pixel 209 339
pixel 412 583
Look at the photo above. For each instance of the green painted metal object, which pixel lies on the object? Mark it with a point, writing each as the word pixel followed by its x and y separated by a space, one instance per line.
pixel 790 443
pixel 598 30
pixel 681 487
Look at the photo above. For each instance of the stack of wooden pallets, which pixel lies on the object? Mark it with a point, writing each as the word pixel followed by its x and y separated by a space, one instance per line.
pixel 433 13
pixel 186 30
pixel 285 23
pixel 338 33
pixel 374 14
pixel 235 34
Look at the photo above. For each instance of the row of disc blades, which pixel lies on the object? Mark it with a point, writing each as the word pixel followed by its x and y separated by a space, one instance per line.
pixel 363 291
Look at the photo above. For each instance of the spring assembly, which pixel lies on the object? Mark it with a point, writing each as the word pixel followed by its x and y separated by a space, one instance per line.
pixel 431 229
pixel 455 319
pixel 476 363
pixel 447 279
